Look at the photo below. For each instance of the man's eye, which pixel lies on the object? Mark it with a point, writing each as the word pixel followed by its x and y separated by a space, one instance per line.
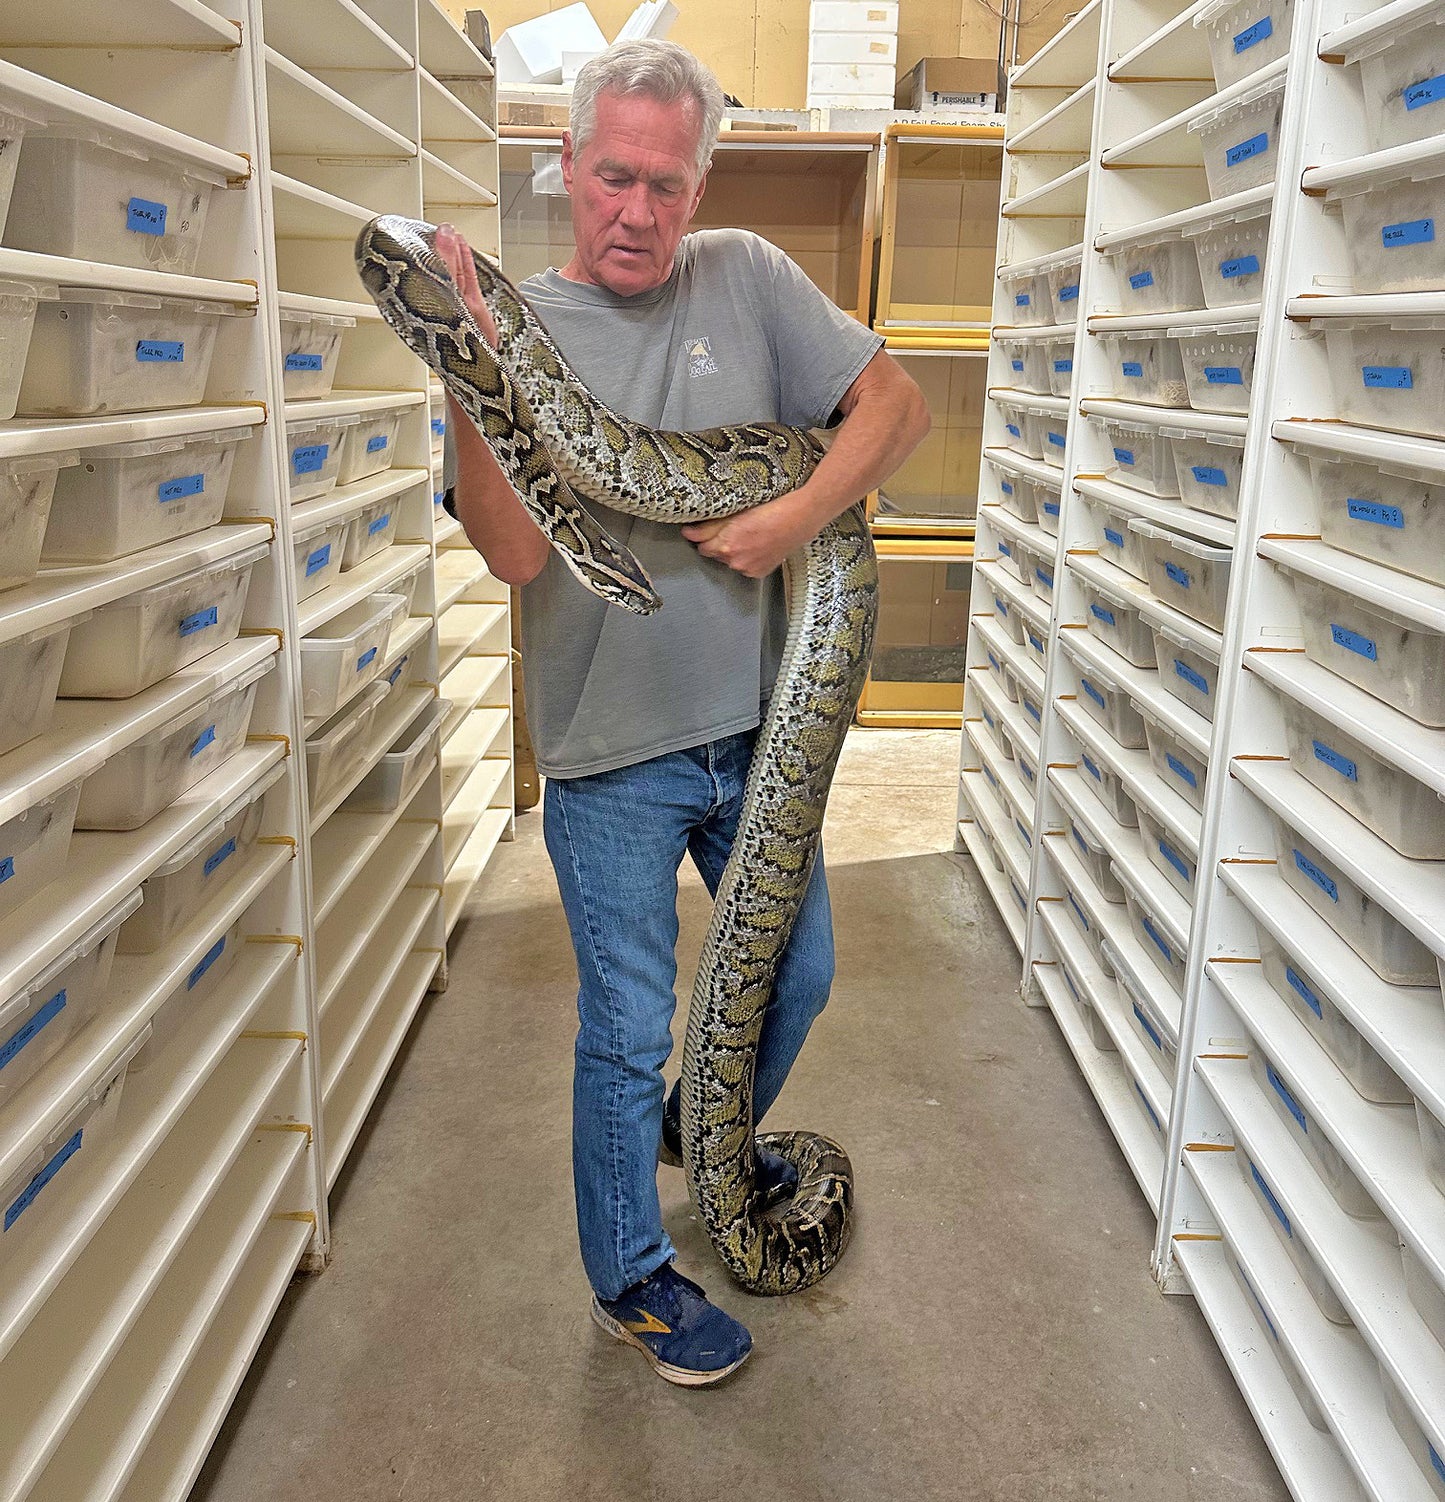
pixel 614 182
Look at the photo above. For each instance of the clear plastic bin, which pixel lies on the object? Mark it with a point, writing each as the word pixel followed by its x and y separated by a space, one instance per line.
pixel 1153 937
pixel 1210 472
pixel 1160 277
pixel 110 201
pixel 1190 575
pixel 34 846
pixel 27 491
pixel 1402 85
pixel 1385 654
pixel 38 1019
pixel 1031 704
pixel 400 673
pixel 127 646
pixel 1147 1111
pixel 1407 1426
pixel 391 781
pixel 313 455
pixel 1025 298
pixel 371 530
pixel 370 447
pixel 1424 1292
pixel 1041 575
pixel 1381 940
pixel 201 983
pixel 1175 762
pixel 1218 365
pixel 1240 140
pixel 346 653
pixel 1231 257
pixel 310 348
pixel 1139 458
pixel 1117 624
pixel 1292 981
pixel 1145 367
pixel 52 1177
pixel 1286 1362
pixel 1406 814
pixel 1391 516
pixel 1061 276
pixel 1027 364
pixel 1108 787
pixel 178 890
pixel 1016 494
pixel 135 784
pixel 1013 559
pixel 1387 377
pixel 1009 618
pixel 316 556
pixel 1050 508
pixel 1167 856
pixel 1432 1143
pixel 120 499
pixel 336 751
pixel 1117 543
pixel 14 127
pixel 18 302
pixel 1028 768
pixel 1310 1272
pixel 1186 672
pixel 1048 433
pixel 1093 935
pixel 1391 234
pixel 1350 1194
pixel 29 679
pixel 97 351
pixel 1096 861
pixel 1036 644
pixel 1244 36
pixel 438 424
pixel 1103 698
pixel 1018 435
pixel 1059 362
pixel 1146 1024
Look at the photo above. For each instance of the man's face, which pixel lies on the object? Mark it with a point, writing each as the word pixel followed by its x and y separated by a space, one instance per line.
pixel 635 187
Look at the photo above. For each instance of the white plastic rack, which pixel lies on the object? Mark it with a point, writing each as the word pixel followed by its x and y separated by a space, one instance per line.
pixel 220 907
pixel 1203 759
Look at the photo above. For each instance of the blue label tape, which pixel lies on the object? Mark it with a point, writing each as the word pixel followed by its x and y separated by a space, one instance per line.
pixel 7 867
pixel 1388 377
pixel 1150 1031
pixel 1017 365
pixel 1207 474
pixel 217 856
pixel 1407 232
pixel 1352 641
pixel 366 658
pixel 316 561
pixel 160 351
pixel 1114 537
pixel 379 525
pixel 1239 266
pixel 1091 769
pixel 1374 511
pixel 199 620
pixel 1013 430
pixel 1254 146
pixel 1124 456
pixel 304 362
pixel 1332 758
pixel 1133 369
pixel 994 663
pixel 400 668
pixel 1195 680
pixel 1081 842
pixel 1141 279
pixel 33 1188
pixel 1271 1201
pixel 1031 711
pixel 1282 1090
pixel 438 427
pixel 182 486
pixel 1079 913
pixel 1044 577
pixel 1100 613
pixel 1005 548
pixel 1426 91
pixel 1052 508
pixel 207 960
pixel 1035 643
pixel 1323 882
pixel 1176 860
pixel 1224 375
pixel 1182 772
pixel 1057 439
pixel 1069 293
pixel 1004 486
pixel 207 737
pixel 376 443
pixel 1001 606
pixel 1179 575
pixel 33 1026
pixel 1023 833
pixel 1157 939
pixel 145 217
pixel 1063 367
pixel 1093 693
pixel 309 458
pixel 1144 1100
pixel 1252 36
pixel 1436 1463
pixel 1304 991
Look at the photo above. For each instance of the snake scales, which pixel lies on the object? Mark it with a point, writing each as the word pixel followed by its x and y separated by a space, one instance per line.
pixel 555 442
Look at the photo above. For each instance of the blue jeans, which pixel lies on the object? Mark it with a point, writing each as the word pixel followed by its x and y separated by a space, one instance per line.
pixel 617 840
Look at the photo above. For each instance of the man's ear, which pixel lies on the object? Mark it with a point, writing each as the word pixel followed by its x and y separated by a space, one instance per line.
pixel 567 160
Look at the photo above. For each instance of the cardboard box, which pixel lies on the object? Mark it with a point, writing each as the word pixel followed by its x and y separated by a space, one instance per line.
pixel 532 51
pixel 869 48
pixel 834 79
pixel 853 15
pixel 952 83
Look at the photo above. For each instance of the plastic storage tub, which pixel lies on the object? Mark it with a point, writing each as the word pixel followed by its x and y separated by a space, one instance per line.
pixel 337 749
pixel 1175 762
pixel 14 126
pixel 1027 364
pixel 1186 672
pixel 1048 433
pixel 135 642
pixel 1036 644
pixel 1013 559
pixel 1294 983
pixel 1095 860
pixel 136 783
pixel 1093 934
pixel 200 984
pixel 96 351
pixel 52 1177
pixel 38 1019
pixel 316 556
pixel 1147 1025
pixel 1161 276
pixel 1153 937
pixel 1032 705
pixel 1117 623
pixel 1103 698
pixel 1385 654
pixel 370 446
pixel 1311 1275
pixel 1288 1369
pixel 310 347
pixel 313 455
pixel 1382 941
pixel 1406 814
pixel 179 889
pixel 1016 493
pixel 30 669
pixel 1424 1292
pixel 1218 365
pixel 1350 1194
pixel 1108 787
pixel 1167 856
pixel 1146 367
pixel 1244 36
pixel 34 846
pixel 119 205
pixel 1387 377
pixel 1404 94
pixel 371 530
pixel 1209 470
pixel 1041 575
pixel 1117 543
pixel 1240 140
pixel 1018 435
pixel 1049 501
pixel 1025 298
pixel 27 491
pixel 1060 273
pixel 1059 363
pixel 1231 256
pixel 120 499
pixel 18 302
pixel 391 781
pixel 346 653
pixel 1424 1454
pixel 1190 575
pixel 1009 618
pixel 1139 458
pixel 1391 234
pixel 1391 516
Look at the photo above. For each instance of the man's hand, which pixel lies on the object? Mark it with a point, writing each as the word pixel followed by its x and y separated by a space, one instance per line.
pixel 756 542
pixel 457 254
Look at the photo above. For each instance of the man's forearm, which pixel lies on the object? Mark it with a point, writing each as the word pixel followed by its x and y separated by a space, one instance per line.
pixel 494 519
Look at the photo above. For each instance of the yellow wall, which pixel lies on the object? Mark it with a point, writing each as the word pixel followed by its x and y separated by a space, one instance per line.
pixel 759 48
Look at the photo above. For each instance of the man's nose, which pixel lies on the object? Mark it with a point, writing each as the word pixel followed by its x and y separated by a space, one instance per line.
pixel 637 207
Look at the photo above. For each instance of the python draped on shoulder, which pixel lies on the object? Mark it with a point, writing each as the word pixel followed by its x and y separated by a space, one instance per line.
pixel 559 447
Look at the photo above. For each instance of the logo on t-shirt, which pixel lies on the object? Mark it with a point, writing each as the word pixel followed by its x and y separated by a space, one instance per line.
pixel 699 357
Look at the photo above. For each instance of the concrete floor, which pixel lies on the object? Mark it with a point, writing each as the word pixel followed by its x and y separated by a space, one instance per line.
pixel 993 1334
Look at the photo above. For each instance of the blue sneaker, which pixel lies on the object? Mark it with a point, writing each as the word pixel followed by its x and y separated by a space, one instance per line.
pixel 688 1340
pixel 775 1178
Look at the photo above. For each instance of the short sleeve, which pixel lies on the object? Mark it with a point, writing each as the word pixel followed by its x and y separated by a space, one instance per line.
pixel 820 350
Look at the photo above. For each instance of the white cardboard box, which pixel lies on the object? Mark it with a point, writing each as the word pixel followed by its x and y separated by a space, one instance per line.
pixel 868 48
pixel 853 15
pixel 850 79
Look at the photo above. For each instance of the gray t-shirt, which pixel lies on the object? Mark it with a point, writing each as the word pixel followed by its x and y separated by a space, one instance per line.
pixel 737 334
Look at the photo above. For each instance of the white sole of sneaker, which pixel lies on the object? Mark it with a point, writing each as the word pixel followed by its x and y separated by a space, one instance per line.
pixel 677 1375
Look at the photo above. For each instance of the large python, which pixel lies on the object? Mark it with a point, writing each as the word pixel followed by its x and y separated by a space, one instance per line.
pixel 555 443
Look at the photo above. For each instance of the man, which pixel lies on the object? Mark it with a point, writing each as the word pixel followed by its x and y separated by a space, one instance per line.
pixel 644 726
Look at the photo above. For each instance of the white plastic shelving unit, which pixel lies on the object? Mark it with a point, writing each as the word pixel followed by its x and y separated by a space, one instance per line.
pixel 1222 731
pixel 148 1241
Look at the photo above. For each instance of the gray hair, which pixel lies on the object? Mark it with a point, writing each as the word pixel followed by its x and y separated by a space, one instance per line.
pixel 660 70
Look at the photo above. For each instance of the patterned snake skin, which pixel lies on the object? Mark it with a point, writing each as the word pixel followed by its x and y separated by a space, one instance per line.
pixel 554 442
